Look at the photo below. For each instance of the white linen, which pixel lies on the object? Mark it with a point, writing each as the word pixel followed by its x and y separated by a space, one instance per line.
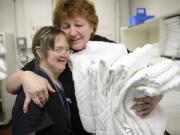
pixel 3 69
pixel 142 84
pixel 85 92
pixel 106 81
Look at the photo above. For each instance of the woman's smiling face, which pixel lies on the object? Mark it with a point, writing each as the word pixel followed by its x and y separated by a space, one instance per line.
pixel 57 58
pixel 78 30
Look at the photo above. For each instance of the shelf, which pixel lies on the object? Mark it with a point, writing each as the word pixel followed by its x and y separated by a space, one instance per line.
pixel 9 57
pixel 170 57
pixel 150 24
pixel 149 32
pixel 139 35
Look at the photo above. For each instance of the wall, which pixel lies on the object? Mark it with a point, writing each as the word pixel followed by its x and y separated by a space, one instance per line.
pixel 14 18
pixel 113 15
pixel 20 18
pixel 7 18
pixel 36 16
pixel 156 7
pixel 17 14
pixel 7 23
pixel 106 13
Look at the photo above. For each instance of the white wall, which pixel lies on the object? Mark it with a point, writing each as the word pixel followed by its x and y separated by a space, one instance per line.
pixel 156 7
pixel 20 18
pixel 113 15
pixel 7 16
pixel 17 18
pixel 106 13
pixel 14 18
pixel 37 13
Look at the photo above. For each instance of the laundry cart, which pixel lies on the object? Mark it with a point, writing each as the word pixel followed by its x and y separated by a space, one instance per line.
pixel 7 67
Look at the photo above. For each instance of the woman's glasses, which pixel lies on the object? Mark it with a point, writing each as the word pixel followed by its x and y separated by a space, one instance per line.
pixel 60 50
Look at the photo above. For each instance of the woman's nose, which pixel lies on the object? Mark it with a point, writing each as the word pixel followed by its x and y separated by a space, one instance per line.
pixel 66 53
pixel 66 56
pixel 72 31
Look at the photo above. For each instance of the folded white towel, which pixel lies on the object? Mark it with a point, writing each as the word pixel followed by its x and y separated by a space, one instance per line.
pixel 2 50
pixel 82 64
pixel 167 75
pixel 3 65
pixel 146 82
pixel 106 81
pixel 122 104
pixel 160 84
pixel 127 65
pixel 3 75
pixel 173 84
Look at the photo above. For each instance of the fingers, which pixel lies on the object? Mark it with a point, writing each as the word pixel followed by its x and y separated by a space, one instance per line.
pixel 42 99
pixel 143 99
pixel 50 88
pixel 143 114
pixel 37 101
pixel 44 95
pixel 36 88
pixel 142 109
pixel 26 104
pixel 28 100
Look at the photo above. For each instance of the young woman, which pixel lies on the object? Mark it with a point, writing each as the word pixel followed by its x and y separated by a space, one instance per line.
pixel 51 49
pixel 78 20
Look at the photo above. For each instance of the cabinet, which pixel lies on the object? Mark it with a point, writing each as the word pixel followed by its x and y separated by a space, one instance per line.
pixel 8 66
pixel 152 31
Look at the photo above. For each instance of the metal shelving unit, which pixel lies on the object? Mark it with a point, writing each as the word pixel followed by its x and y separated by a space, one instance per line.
pixel 154 31
pixel 8 61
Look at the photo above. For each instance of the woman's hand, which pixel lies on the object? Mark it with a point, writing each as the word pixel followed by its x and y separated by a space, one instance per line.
pixel 35 88
pixel 145 105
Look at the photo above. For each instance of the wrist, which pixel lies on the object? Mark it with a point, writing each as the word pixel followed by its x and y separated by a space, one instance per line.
pixel 23 75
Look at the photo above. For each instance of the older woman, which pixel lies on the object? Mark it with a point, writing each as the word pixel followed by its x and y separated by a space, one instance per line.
pixel 78 20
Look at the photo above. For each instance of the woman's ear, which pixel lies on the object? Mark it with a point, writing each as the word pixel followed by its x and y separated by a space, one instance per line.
pixel 39 52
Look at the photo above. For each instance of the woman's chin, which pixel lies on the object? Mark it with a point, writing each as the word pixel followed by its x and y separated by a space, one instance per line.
pixel 77 47
pixel 61 69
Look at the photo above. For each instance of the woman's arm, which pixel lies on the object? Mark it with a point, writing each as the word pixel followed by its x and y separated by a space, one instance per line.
pixel 35 87
pixel 13 82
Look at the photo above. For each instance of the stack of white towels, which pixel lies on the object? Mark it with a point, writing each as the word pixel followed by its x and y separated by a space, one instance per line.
pixel 107 79
pixel 172 44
